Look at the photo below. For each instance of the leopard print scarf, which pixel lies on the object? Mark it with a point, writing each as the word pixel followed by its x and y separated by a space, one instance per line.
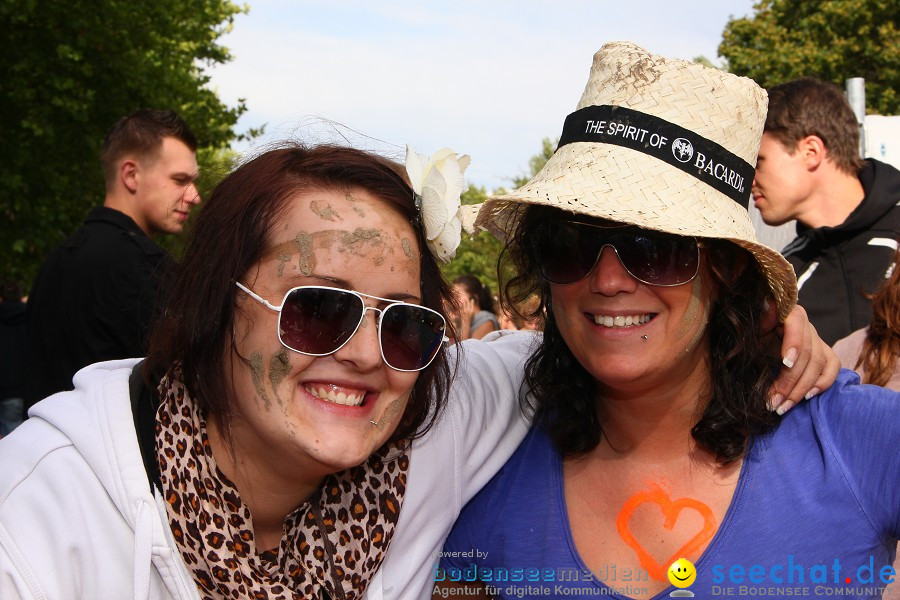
pixel 356 511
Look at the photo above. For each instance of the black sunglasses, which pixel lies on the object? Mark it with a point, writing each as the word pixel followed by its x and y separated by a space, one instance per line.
pixel 569 251
pixel 318 320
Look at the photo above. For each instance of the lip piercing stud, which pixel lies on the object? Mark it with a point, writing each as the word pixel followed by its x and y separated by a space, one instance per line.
pixel 644 337
pixel 374 423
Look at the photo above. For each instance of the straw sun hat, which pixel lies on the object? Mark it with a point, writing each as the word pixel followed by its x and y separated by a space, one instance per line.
pixel 659 143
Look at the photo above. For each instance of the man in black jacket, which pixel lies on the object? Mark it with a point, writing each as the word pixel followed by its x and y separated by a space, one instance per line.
pixel 848 221
pixel 95 295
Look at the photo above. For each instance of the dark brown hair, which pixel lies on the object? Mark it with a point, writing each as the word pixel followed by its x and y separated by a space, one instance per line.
pixel 813 107
pixel 141 133
pixel 477 290
pixel 230 236
pixel 882 345
pixel 562 394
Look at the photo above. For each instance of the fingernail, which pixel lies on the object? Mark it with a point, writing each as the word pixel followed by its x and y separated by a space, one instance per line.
pixel 775 401
pixel 788 405
pixel 812 393
pixel 789 358
pixel 766 305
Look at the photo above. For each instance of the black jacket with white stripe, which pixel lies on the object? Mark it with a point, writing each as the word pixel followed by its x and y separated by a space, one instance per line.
pixel 839 267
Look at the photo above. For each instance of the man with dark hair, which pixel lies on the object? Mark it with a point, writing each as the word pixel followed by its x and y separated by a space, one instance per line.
pixel 848 221
pixel 95 295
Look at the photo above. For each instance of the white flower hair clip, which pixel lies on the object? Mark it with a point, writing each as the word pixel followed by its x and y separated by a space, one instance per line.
pixel 438 180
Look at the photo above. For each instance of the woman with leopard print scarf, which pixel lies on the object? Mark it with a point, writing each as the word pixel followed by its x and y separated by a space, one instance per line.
pixel 286 413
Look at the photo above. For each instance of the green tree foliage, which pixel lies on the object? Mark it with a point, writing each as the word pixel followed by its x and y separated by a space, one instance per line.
pixel 829 39
pixel 70 69
pixel 702 60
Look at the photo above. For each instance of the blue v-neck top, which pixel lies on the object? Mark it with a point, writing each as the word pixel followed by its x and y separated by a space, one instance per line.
pixel 817 502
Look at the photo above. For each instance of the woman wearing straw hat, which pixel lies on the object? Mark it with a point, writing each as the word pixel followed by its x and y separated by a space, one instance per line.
pixel 653 441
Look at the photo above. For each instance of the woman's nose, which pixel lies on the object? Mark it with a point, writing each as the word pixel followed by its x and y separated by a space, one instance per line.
pixel 609 276
pixel 363 349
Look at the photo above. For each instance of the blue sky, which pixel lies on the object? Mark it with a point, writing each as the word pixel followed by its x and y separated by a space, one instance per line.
pixel 489 79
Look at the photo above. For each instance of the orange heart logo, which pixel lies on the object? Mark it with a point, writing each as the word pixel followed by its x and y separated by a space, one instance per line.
pixel 670 510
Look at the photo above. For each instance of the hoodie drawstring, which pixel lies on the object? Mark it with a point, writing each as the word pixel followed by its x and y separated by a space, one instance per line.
pixel 143 542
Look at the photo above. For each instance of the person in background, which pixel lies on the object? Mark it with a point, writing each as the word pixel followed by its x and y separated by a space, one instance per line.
pixel 847 209
pixel 653 437
pixel 507 318
pixel 13 332
pixel 474 316
pixel 522 316
pixel 873 351
pixel 96 293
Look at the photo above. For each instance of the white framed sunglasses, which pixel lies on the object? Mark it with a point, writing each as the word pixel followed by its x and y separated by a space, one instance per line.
pixel 319 320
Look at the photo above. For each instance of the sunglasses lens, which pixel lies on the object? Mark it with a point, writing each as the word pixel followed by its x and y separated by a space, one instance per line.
pixel 568 253
pixel 659 259
pixel 410 336
pixel 319 321
pixel 570 250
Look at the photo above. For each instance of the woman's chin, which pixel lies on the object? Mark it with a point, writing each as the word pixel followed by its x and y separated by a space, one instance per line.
pixel 341 457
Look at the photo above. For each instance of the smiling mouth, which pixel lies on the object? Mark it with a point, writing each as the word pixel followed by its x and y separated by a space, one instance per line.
pixel 679 578
pixel 344 397
pixel 622 320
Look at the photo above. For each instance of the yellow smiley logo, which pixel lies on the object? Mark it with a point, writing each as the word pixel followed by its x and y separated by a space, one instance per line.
pixel 682 573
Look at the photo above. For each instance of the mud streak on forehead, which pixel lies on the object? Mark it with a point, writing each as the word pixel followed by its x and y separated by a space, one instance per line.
pixel 282 259
pixel 361 242
pixel 327 213
pixel 407 248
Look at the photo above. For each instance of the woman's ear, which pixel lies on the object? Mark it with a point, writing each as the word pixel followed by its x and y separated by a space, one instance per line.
pixel 769 317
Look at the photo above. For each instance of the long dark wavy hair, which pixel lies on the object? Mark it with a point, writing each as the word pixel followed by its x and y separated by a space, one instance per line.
pixel 563 395
pixel 881 348
pixel 231 235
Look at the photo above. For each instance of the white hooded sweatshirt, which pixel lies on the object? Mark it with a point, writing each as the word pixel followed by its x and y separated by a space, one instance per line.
pixel 78 519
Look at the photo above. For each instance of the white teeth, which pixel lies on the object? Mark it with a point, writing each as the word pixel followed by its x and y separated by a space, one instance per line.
pixel 621 321
pixel 345 398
